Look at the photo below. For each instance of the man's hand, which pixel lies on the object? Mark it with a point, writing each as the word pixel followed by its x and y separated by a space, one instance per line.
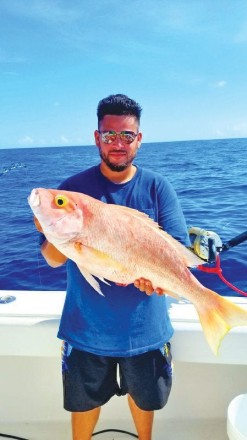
pixel 146 286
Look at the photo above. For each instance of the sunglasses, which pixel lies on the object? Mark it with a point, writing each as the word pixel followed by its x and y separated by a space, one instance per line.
pixel 127 137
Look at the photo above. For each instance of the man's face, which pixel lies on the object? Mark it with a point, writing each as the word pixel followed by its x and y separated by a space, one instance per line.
pixel 118 154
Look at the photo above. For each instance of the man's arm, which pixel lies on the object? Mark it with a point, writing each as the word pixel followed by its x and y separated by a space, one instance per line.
pixel 52 255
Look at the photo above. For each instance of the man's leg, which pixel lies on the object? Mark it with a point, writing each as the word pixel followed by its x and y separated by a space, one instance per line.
pixel 89 382
pixel 143 420
pixel 83 423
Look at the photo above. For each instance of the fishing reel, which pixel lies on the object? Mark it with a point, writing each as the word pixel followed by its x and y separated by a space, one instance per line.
pixel 205 244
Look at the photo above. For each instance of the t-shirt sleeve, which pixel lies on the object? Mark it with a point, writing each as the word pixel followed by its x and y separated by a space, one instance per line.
pixel 170 214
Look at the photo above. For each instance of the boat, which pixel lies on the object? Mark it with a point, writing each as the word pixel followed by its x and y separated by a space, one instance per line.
pixel 31 388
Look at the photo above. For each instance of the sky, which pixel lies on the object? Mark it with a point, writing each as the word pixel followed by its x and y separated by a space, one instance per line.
pixel 184 61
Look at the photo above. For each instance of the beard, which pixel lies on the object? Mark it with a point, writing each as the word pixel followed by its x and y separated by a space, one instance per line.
pixel 116 167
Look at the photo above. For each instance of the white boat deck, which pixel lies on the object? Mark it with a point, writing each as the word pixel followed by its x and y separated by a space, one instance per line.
pixel 31 388
pixel 171 430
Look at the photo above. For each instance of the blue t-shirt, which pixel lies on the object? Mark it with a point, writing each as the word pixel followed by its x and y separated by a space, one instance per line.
pixel 125 321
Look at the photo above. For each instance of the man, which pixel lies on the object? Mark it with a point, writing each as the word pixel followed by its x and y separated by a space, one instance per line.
pixel 126 327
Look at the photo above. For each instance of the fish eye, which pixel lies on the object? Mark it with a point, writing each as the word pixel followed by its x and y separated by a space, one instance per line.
pixel 61 201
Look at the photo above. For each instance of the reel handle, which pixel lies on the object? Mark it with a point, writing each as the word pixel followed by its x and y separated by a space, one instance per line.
pixel 212 250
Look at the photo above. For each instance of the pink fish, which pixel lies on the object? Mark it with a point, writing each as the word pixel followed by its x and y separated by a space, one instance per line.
pixel 120 244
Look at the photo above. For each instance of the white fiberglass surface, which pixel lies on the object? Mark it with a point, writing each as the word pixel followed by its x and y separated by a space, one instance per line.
pixel 167 430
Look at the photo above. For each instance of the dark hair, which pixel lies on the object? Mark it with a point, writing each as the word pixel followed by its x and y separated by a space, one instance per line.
pixel 118 105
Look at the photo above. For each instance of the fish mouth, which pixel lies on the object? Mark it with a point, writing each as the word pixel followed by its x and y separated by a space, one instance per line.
pixel 34 199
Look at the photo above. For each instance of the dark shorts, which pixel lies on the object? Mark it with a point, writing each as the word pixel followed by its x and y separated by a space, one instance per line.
pixel 89 380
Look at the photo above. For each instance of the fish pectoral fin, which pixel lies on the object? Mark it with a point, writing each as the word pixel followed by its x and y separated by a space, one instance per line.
pixel 104 281
pixel 91 280
pixel 104 258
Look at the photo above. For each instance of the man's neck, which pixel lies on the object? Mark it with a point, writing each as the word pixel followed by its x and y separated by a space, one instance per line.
pixel 118 176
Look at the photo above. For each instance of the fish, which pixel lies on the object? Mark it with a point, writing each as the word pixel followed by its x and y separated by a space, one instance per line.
pixel 115 243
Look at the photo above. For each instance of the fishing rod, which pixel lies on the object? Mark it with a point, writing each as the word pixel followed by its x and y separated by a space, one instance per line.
pixel 234 241
pixel 208 245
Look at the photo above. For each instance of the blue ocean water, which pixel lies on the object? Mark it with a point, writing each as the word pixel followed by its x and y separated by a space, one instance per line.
pixel 210 178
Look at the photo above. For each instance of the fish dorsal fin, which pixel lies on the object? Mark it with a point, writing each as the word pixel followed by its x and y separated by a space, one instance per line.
pixel 189 258
pixel 137 214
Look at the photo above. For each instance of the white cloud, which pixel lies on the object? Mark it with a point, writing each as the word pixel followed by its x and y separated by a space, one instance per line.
pixel 46 11
pixel 64 139
pixel 219 84
pixel 10 73
pixel 220 133
pixel 26 140
pixel 79 140
pixel 241 36
pixel 240 128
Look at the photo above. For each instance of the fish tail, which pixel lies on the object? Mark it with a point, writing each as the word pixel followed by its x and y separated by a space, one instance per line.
pixel 218 315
